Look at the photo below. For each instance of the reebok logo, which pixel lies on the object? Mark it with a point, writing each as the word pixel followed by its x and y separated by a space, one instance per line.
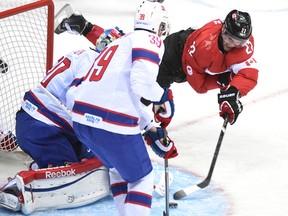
pixel 60 173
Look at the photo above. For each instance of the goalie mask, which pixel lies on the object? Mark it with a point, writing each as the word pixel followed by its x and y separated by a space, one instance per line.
pixel 153 17
pixel 107 37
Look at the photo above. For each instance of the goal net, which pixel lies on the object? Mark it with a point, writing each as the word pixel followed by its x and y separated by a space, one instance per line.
pixel 26 41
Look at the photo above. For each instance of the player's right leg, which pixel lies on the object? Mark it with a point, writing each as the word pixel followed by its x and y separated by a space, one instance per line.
pixel 45 144
pixel 133 168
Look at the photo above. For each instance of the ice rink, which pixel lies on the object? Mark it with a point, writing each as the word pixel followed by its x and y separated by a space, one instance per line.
pixel 251 169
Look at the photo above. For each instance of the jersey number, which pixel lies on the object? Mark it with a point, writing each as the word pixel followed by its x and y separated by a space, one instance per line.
pixel 62 65
pixel 102 63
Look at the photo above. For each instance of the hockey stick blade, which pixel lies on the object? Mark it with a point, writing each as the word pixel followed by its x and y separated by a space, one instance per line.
pixel 185 192
pixel 191 189
pixel 65 12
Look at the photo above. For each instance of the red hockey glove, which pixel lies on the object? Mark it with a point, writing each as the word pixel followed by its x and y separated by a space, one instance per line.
pixel 224 80
pixel 160 143
pixel 164 109
pixel 229 104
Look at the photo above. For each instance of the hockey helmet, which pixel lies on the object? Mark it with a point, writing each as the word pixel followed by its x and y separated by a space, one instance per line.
pixel 107 37
pixel 237 24
pixel 153 17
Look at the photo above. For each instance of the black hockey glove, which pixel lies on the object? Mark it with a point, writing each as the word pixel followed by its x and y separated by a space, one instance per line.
pixel 224 80
pixel 75 24
pixel 229 104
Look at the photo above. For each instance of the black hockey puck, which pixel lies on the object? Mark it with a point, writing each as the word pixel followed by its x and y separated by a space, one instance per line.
pixel 173 205
pixel 3 66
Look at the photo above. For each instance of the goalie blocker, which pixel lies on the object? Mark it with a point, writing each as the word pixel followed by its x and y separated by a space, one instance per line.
pixel 70 186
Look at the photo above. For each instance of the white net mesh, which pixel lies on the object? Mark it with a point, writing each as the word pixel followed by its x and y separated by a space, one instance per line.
pixel 23 42
pixel 9 4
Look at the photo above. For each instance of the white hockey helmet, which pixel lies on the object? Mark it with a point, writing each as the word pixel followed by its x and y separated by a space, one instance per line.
pixel 153 17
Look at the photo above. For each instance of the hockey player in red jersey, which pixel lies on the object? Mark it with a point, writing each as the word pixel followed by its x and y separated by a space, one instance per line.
pixel 219 55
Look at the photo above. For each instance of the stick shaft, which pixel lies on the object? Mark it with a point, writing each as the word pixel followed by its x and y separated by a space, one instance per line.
pixel 191 189
pixel 166 166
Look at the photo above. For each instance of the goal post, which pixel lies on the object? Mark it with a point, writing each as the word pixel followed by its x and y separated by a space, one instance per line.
pixel 26 41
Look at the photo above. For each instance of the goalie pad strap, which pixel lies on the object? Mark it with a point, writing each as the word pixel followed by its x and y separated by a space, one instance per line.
pixel 63 171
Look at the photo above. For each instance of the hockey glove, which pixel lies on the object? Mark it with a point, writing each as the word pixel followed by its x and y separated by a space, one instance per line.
pixel 75 24
pixel 224 80
pixel 164 109
pixel 107 37
pixel 160 143
pixel 229 104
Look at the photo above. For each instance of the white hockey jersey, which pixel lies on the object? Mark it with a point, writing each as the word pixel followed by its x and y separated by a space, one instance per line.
pixel 126 70
pixel 40 106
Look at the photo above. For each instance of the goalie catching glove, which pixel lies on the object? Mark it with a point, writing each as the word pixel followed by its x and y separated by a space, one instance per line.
pixel 75 24
pixel 160 143
pixel 164 109
pixel 229 104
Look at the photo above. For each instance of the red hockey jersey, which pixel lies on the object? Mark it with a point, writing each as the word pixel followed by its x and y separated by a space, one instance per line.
pixel 202 60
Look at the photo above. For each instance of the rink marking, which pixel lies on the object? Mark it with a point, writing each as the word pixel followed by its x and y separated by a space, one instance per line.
pixel 214 114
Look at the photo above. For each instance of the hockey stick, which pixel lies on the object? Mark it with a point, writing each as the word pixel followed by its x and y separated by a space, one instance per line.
pixel 191 189
pixel 166 170
pixel 54 99
pixel 167 180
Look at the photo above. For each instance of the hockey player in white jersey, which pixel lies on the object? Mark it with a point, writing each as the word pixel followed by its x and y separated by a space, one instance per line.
pixel 43 128
pixel 106 109
pixel 44 131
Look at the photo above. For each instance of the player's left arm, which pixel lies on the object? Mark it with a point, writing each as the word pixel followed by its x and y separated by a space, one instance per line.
pixel 246 72
pixel 244 80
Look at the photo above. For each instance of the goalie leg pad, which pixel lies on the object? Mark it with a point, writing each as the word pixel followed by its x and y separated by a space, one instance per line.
pixel 63 187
